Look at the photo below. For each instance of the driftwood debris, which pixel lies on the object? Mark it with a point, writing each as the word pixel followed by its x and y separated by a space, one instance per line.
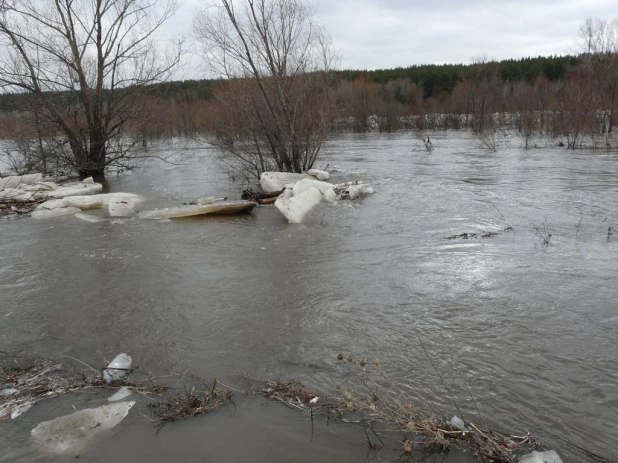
pixel 11 208
pixel 473 235
pixel 266 201
pixel 37 380
pixel 386 413
pixel 253 195
pixel 261 197
pixel 294 394
pixel 195 402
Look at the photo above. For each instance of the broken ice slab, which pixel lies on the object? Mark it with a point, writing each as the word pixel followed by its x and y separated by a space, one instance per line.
pixel 276 181
pixel 222 207
pixel 295 208
pixel 320 174
pixel 119 207
pixel 305 184
pixel 51 213
pixel 82 202
pixel 549 456
pixel 72 189
pixel 71 433
pixel 121 394
pixel 14 181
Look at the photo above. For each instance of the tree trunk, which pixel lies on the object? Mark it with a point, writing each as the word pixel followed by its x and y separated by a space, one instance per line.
pixel 93 163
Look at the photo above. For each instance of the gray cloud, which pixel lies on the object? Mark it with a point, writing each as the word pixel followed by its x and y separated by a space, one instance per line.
pixel 389 33
pixel 372 34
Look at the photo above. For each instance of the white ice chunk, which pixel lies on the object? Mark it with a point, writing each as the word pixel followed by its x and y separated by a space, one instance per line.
pixel 9 391
pixel 295 208
pixel 354 191
pixel 541 457
pixel 74 189
pixel 17 194
pixel 40 186
pixel 330 195
pixel 50 204
pixel 117 367
pixel 48 214
pixel 119 207
pixel 276 181
pixel 72 432
pixel 121 394
pixel 11 192
pixel 14 181
pixel 304 185
pixel 287 193
pixel 320 174
pixel 83 202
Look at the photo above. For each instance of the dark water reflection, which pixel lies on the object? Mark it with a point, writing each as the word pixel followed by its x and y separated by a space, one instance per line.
pixel 530 330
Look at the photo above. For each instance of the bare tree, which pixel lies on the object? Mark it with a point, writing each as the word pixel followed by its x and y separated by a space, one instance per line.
pixel 278 106
pixel 483 102
pixel 575 109
pixel 599 42
pixel 86 62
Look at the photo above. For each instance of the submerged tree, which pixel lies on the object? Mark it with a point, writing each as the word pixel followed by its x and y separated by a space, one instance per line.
pixel 278 105
pixel 599 42
pixel 86 62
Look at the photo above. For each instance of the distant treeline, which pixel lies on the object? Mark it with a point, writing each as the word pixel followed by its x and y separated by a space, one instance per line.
pixel 434 79
pixel 180 91
pixel 564 97
pixel 441 79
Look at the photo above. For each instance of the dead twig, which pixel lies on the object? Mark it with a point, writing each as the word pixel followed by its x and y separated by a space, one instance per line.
pixel 378 401
pixel 193 403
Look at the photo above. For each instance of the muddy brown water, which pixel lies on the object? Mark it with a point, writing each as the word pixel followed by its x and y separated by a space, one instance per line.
pixel 530 331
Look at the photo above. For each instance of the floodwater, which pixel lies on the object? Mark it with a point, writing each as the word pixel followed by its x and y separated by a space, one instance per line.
pixel 526 329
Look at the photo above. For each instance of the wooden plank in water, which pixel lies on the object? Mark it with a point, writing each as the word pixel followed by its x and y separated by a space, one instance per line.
pixel 221 207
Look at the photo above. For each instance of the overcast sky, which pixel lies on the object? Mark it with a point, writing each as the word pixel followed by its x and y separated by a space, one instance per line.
pixel 373 34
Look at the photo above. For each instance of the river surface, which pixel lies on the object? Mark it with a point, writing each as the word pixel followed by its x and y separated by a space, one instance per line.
pixel 529 330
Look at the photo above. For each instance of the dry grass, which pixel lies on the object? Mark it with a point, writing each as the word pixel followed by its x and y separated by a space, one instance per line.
pixel 417 426
pixel 370 399
pixel 388 414
pixel 296 395
pixel 195 402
